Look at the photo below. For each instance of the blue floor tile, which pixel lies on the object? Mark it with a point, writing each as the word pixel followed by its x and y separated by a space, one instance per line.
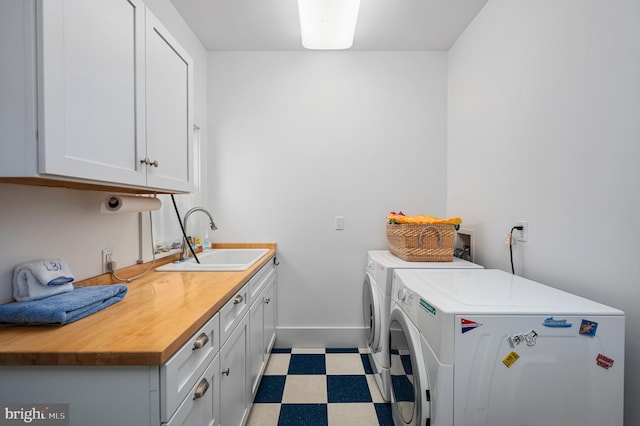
pixel 366 364
pixel 307 364
pixel 348 388
pixel 383 411
pixel 281 351
pixel 271 389
pixel 303 415
pixel 341 350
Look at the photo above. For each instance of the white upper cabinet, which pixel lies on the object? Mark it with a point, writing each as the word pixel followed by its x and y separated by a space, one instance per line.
pixel 114 94
pixel 169 110
pixel 91 89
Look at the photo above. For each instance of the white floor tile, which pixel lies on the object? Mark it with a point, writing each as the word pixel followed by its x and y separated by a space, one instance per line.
pixel 278 365
pixel 352 414
pixel 264 415
pixel 344 364
pixel 305 389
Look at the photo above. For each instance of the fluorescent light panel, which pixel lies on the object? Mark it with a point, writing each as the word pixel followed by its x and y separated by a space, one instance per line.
pixel 328 24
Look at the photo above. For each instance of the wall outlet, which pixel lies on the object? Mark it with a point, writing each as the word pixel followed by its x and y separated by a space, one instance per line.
pixel 522 236
pixel 339 221
pixel 107 256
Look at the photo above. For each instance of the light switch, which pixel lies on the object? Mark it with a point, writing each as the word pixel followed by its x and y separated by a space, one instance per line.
pixel 339 223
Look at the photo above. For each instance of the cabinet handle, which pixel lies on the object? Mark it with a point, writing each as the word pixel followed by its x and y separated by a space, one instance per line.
pixel 267 300
pixel 200 341
pixel 201 389
pixel 225 372
pixel 149 162
pixel 238 299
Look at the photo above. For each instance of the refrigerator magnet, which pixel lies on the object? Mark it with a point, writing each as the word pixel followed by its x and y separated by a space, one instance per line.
pixel 604 362
pixel 588 328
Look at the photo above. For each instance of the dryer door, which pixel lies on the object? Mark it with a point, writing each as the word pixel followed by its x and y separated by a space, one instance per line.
pixel 371 310
pixel 410 392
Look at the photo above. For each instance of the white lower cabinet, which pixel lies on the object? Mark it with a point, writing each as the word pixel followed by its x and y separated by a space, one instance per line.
pixel 243 356
pixel 256 355
pixel 188 380
pixel 211 380
pixel 270 309
pixel 202 406
pixel 233 375
pixel 96 395
pixel 262 329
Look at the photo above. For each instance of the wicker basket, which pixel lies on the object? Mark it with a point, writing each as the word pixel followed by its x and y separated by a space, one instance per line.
pixel 422 243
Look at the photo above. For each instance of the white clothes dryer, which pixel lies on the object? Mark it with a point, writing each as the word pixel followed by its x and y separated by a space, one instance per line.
pixel 488 348
pixel 377 305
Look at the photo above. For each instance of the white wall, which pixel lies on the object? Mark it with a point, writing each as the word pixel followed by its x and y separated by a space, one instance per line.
pixel 297 138
pixel 544 101
pixel 39 222
pixel 45 223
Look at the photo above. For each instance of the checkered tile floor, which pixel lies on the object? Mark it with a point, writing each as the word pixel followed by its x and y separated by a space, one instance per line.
pixel 319 387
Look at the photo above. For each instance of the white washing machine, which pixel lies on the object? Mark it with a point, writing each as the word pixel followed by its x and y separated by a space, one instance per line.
pixel 487 348
pixel 377 304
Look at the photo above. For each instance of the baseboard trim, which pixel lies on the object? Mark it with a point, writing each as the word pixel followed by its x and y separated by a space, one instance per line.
pixel 320 337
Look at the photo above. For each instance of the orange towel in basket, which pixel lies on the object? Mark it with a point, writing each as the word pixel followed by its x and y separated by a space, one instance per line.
pixel 422 219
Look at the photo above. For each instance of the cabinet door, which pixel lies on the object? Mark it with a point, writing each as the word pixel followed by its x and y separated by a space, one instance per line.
pixel 256 344
pixel 269 317
pixel 234 395
pixel 91 89
pixel 169 76
pixel 262 327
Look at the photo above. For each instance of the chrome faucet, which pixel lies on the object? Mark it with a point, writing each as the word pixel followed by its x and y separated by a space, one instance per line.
pixel 185 250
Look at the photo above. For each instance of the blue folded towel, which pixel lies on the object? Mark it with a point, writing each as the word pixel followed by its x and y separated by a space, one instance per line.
pixel 62 308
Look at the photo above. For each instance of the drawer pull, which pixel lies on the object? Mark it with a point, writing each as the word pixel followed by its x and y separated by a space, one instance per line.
pixel 201 340
pixel 267 300
pixel 226 372
pixel 201 389
pixel 238 299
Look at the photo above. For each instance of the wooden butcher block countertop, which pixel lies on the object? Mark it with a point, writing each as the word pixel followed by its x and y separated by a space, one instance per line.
pixel 160 312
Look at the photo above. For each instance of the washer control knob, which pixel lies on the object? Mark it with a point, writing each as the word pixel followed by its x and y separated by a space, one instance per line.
pixel 402 294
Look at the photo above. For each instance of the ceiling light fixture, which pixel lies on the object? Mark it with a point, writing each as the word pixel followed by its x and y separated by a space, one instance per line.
pixel 328 24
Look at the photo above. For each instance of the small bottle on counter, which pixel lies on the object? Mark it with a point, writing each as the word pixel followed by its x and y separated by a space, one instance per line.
pixel 206 244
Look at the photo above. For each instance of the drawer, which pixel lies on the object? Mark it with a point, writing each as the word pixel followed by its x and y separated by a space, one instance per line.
pixel 232 312
pixel 202 404
pixel 180 373
pixel 259 281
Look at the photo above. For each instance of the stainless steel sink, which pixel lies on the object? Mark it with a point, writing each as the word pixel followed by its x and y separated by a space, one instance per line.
pixel 227 259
